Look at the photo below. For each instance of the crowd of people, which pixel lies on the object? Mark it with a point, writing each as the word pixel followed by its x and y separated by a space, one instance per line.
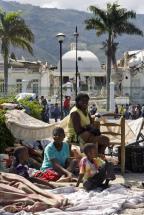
pixel 53 111
pixel 130 111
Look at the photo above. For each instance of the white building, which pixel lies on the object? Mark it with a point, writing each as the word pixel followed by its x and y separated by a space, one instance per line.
pixel 26 76
pixel 131 68
pixel 90 74
pixel 43 80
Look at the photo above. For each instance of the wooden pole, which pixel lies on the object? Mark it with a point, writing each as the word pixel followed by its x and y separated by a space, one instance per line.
pixel 122 145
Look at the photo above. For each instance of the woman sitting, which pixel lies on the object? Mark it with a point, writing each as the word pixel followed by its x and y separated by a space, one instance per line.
pixel 80 125
pixel 57 155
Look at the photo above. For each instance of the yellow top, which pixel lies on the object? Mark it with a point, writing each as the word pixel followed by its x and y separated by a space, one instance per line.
pixel 84 120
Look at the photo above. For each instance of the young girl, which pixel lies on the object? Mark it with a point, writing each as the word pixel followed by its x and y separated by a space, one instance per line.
pixel 94 170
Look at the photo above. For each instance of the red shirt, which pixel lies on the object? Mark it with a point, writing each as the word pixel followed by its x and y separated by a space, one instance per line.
pixel 67 103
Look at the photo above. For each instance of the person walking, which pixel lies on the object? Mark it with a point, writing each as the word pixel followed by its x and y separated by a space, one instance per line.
pixel 66 105
pixel 56 112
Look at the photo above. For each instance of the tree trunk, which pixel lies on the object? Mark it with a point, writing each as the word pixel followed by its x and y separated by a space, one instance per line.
pixel 113 53
pixel 5 75
pixel 108 71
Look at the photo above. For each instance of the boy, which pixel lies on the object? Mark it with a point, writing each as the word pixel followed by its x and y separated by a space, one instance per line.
pixel 94 170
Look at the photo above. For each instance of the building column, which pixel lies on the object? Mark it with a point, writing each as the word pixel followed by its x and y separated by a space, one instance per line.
pixel 112 99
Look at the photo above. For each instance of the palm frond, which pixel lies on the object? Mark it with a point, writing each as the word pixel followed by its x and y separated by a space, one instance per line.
pixel 99 13
pixel 95 24
pixel 22 43
pixel 129 28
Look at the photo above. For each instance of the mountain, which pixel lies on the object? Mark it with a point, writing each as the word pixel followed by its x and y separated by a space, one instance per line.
pixel 46 23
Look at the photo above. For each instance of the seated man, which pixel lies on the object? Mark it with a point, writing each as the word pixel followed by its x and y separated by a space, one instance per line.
pixel 80 125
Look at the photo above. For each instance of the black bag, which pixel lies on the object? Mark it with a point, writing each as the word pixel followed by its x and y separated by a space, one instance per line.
pixel 134 155
pixel 93 130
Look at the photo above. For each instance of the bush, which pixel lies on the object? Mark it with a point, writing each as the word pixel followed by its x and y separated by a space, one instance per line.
pixel 6 138
pixel 7 100
pixel 34 107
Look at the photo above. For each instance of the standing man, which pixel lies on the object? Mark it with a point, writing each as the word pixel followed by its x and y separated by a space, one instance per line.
pixel 66 105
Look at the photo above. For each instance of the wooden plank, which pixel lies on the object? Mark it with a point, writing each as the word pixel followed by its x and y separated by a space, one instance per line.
pixel 107 124
pixel 111 133
pixel 115 143
pixel 110 114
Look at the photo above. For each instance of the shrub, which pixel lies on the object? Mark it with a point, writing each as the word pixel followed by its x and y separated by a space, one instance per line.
pixel 7 100
pixel 34 107
pixel 6 138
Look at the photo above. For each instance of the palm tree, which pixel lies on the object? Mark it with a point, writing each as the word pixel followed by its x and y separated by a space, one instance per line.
pixel 114 21
pixel 13 32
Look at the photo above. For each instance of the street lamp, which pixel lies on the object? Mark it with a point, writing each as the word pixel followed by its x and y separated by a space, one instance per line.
pixel 76 34
pixel 60 37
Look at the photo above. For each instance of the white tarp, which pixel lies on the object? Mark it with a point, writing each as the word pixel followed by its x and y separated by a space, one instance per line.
pixel 25 127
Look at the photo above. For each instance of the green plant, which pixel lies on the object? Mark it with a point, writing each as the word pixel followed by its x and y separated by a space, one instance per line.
pixel 34 107
pixel 6 138
pixel 7 100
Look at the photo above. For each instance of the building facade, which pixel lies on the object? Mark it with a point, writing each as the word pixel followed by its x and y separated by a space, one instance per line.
pixel 26 76
pixel 130 77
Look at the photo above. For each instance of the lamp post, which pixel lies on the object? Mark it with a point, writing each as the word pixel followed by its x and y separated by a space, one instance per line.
pixel 76 34
pixel 60 37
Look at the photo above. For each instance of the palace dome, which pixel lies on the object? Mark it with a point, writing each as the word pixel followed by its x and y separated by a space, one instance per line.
pixel 88 62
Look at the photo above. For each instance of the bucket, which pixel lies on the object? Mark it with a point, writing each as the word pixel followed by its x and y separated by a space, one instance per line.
pixel 4 158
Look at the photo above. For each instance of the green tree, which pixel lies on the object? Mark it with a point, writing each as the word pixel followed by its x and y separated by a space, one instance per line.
pixel 113 21
pixel 13 32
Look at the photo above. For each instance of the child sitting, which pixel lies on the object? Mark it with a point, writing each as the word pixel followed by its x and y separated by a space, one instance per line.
pixel 20 159
pixel 19 166
pixel 94 170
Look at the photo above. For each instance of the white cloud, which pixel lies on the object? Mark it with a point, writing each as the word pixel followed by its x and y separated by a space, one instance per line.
pixel 136 5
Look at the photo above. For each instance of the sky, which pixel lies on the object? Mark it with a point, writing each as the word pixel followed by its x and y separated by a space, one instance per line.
pixel 136 5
